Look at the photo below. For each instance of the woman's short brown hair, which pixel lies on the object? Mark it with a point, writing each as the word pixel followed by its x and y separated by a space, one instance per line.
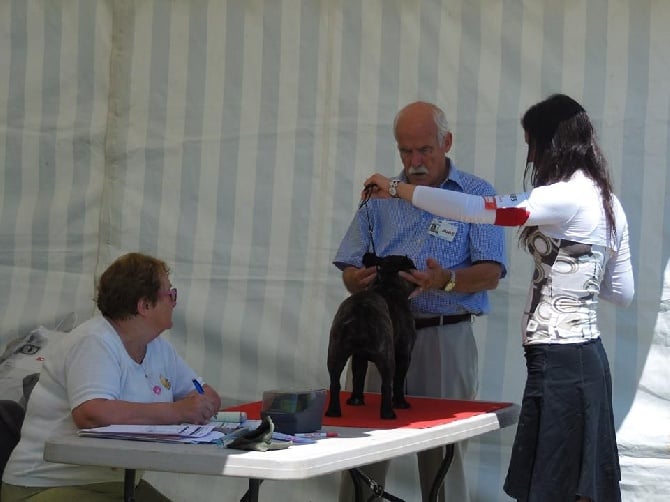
pixel 126 281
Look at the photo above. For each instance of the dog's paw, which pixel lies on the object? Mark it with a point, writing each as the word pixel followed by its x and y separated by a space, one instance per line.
pixel 356 401
pixel 401 404
pixel 387 415
pixel 333 413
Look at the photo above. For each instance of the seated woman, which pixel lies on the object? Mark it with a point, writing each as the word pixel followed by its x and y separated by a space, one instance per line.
pixel 112 369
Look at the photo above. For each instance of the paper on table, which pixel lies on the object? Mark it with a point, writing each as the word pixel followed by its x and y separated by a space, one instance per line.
pixel 228 427
pixel 185 433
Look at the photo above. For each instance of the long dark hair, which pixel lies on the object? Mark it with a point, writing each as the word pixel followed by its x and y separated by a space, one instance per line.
pixel 561 141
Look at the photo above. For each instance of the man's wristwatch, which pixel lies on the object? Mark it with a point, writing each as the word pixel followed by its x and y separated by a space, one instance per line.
pixel 451 283
pixel 393 187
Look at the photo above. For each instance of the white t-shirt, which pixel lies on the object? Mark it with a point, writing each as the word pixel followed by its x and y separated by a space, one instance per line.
pixel 88 363
pixel 576 260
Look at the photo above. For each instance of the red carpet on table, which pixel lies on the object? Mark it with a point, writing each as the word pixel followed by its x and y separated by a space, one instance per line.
pixel 425 412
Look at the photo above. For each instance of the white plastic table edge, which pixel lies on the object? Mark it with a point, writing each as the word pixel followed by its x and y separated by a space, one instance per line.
pixel 352 448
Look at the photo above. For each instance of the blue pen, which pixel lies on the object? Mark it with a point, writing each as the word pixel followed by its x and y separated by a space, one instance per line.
pixel 198 387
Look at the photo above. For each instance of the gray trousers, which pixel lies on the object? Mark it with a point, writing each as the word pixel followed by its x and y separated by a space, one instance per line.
pixel 444 364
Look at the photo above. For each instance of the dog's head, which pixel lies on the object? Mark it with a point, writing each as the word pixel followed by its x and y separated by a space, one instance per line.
pixel 391 263
pixel 388 268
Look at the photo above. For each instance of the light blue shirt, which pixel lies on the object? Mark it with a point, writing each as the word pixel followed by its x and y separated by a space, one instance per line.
pixel 395 226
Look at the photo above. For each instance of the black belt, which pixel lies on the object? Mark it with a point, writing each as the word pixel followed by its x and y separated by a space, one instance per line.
pixel 427 322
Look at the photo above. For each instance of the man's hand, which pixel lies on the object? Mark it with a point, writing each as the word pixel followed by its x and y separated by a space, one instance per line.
pixel 480 276
pixel 357 279
pixel 433 277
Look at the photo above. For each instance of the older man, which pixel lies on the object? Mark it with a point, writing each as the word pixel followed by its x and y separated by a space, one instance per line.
pixel 462 261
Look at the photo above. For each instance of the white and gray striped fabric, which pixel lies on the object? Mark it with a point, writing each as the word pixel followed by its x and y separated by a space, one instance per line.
pixel 231 139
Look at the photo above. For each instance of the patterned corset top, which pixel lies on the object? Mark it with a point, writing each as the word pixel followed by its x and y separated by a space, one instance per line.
pixel 563 299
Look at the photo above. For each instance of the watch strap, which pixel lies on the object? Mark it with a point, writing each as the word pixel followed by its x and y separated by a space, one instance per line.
pixel 451 283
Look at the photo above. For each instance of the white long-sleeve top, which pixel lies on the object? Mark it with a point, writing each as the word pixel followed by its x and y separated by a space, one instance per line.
pixel 576 259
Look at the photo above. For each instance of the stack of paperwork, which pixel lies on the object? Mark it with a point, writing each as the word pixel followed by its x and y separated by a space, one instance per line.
pixel 185 433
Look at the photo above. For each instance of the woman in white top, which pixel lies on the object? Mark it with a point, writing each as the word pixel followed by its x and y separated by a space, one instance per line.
pixel 112 369
pixel 576 231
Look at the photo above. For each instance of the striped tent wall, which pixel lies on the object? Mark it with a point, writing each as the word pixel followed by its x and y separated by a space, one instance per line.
pixel 231 139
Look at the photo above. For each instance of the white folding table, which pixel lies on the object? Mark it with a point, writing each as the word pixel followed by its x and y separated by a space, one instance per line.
pixel 352 448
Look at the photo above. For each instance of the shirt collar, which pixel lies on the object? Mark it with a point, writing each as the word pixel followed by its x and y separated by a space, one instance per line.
pixel 455 177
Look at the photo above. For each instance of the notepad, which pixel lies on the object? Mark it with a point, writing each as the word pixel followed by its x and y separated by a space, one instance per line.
pixel 185 433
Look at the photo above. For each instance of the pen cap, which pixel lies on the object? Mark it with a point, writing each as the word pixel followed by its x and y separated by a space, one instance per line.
pixel 230 416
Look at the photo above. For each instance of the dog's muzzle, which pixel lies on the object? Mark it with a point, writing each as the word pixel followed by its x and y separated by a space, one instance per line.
pixel 428 322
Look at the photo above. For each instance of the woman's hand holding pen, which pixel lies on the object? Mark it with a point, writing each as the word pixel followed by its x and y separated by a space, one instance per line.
pixel 196 408
pixel 199 406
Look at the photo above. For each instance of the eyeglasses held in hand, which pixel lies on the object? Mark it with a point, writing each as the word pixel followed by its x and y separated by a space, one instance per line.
pixel 172 293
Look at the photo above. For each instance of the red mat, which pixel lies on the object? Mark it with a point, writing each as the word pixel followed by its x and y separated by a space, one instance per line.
pixel 425 412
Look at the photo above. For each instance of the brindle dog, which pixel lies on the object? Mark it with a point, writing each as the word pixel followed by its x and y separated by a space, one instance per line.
pixel 375 325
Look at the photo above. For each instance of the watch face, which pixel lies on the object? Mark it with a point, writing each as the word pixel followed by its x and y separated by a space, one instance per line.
pixel 393 192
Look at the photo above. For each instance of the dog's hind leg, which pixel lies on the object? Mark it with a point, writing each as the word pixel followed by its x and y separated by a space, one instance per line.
pixel 359 368
pixel 336 362
pixel 386 371
pixel 401 368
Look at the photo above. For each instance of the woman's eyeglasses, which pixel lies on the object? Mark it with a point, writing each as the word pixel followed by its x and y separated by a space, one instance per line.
pixel 172 293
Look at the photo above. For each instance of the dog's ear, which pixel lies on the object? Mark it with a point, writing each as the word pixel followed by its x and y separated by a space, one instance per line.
pixel 408 264
pixel 370 260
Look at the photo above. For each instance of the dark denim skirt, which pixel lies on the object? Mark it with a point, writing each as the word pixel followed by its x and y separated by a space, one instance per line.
pixel 565 443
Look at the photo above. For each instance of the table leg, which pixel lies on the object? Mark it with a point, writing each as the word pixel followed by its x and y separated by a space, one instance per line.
pixel 356 481
pixel 442 472
pixel 252 492
pixel 129 485
pixel 357 477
